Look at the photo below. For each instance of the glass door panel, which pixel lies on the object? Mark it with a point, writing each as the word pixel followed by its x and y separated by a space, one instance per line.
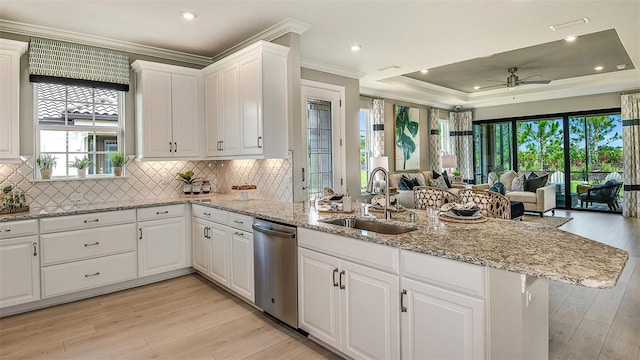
pixel 596 160
pixel 493 146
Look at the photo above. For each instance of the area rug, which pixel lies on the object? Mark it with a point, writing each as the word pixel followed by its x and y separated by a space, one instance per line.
pixel 553 221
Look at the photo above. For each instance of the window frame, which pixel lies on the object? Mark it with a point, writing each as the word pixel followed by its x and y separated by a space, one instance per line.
pixel 119 130
pixel 368 134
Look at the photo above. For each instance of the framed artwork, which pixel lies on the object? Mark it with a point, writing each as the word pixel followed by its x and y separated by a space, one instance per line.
pixel 407 149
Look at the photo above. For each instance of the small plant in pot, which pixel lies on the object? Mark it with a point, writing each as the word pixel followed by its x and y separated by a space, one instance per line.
pixel 81 165
pixel 188 180
pixel 46 162
pixel 497 185
pixel 117 161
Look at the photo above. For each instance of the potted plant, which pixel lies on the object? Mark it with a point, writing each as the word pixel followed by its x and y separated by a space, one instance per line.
pixel 81 165
pixel 117 162
pixel 187 179
pixel 498 186
pixel 46 162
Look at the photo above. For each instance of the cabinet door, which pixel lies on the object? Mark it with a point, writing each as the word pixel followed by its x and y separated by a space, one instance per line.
pixel 201 245
pixel 441 324
pixel 9 104
pixel 212 110
pixel 319 296
pixel 187 119
pixel 219 267
pixel 241 274
pixel 155 114
pixel 251 103
pixel 229 124
pixel 370 312
pixel 161 246
pixel 19 271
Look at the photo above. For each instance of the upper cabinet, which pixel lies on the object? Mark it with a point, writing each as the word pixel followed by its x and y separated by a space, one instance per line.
pixel 246 108
pixel 10 53
pixel 169 111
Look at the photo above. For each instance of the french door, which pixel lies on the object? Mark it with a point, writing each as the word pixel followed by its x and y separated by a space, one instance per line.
pixel 324 138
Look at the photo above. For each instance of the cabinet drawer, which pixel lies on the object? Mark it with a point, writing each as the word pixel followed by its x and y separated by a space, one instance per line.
pixel 446 273
pixel 85 244
pixel 242 222
pixel 87 274
pixel 377 256
pixel 208 213
pixel 18 228
pixel 86 221
pixel 160 212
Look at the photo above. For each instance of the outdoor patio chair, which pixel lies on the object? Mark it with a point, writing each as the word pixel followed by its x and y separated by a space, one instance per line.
pixel 606 193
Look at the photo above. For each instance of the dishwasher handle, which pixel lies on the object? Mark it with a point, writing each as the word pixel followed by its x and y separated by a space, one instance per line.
pixel 273 232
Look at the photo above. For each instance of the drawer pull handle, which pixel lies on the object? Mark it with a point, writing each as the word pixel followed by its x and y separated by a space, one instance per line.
pixel 335 283
pixel 90 275
pixel 402 307
pixel 206 214
pixel 94 220
pixel 170 147
pixel 140 230
pixel 162 212
pixel 93 244
pixel 238 233
pixel 35 249
pixel 7 230
pixel 175 145
pixel 238 222
pixel 260 142
pixel 342 286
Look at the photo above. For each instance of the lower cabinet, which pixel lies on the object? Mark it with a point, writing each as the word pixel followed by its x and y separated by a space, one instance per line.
pixel 19 270
pixel 440 324
pixel 353 308
pixel 161 246
pixel 224 253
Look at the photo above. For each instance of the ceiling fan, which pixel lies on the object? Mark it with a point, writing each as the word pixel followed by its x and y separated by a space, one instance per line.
pixel 513 80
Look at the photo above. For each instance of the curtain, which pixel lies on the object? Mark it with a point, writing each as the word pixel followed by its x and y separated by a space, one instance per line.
pixel 435 160
pixel 462 139
pixel 80 65
pixel 630 110
pixel 378 128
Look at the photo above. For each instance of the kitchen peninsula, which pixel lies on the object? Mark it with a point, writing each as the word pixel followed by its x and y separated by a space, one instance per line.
pixel 484 282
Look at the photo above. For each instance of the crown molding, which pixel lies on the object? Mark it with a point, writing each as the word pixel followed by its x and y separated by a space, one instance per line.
pixel 282 28
pixel 98 41
pixel 336 70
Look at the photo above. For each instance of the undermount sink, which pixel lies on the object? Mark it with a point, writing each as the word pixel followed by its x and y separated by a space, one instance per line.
pixel 374 226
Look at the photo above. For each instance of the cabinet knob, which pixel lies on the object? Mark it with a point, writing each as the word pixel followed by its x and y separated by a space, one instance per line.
pixel 170 146
pixel 175 147
pixel 260 142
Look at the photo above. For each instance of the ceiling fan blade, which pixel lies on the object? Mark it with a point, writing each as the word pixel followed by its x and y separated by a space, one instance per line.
pixel 532 76
pixel 498 81
pixel 535 82
pixel 492 86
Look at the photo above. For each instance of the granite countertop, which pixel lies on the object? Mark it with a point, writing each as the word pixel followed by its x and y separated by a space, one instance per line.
pixel 523 247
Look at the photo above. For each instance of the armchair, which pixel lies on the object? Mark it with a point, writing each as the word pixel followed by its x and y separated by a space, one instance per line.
pixel 606 193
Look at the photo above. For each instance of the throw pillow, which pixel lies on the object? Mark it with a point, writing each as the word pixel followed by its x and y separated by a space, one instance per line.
pixel 438 182
pixel 499 188
pixel 435 174
pixel 534 182
pixel 518 183
pixel 408 184
pixel 446 179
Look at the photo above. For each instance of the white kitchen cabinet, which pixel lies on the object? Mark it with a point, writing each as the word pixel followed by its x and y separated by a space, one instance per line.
pixel 10 53
pixel 161 246
pixel 246 114
pixel 169 111
pixel 350 307
pixel 19 263
pixel 441 324
pixel 224 241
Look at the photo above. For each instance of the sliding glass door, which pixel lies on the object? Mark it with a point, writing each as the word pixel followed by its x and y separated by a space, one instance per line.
pixel 493 147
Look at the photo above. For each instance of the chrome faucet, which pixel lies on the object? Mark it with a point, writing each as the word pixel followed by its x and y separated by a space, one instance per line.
pixel 387 211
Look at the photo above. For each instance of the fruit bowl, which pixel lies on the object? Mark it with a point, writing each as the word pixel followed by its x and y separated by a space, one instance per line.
pixel 465 212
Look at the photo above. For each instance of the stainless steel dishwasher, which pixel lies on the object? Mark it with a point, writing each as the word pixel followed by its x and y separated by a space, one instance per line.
pixel 275 253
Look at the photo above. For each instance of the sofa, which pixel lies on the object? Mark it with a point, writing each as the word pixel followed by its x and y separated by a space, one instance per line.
pixel 540 201
pixel 405 197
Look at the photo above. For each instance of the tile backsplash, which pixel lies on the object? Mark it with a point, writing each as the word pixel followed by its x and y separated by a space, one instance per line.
pixel 153 179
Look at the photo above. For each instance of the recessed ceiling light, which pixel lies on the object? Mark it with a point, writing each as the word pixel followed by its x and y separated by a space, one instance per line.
pixel 476 87
pixel 570 38
pixel 424 71
pixel 356 47
pixel 621 66
pixel 598 68
pixel 188 15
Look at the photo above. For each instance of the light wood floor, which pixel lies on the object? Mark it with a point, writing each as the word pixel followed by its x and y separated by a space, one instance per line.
pixel 188 318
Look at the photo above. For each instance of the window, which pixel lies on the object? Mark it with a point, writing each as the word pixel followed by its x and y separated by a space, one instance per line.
pixel 365 146
pixel 445 137
pixel 76 122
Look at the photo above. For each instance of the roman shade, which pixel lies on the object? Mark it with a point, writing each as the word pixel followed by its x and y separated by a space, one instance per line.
pixel 63 63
